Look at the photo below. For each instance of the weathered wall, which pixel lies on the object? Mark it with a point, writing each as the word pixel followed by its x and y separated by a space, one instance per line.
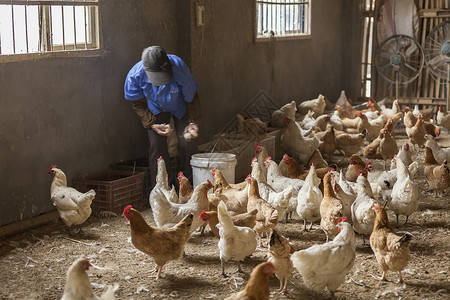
pixel 71 111
pixel 233 68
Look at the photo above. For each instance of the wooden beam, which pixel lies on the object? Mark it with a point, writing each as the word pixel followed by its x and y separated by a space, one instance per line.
pixel 27 224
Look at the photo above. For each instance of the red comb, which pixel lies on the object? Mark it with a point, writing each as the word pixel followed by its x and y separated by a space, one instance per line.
pixel 312 164
pixel 257 145
pixel 368 163
pixel 268 158
pixel 180 174
pixel 160 158
pixel 127 208
pixel 213 170
pixel 343 219
pixel 203 212
pixel 254 159
pixel 209 181
pixel 52 167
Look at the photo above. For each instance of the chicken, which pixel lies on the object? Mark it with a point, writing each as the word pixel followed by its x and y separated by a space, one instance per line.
pixel 186 189
pixel 373 130
pixel 363 215
pixel 404 193
pixel 294 144
pixel 73 207
pixel 297 172
pixel 278 181
pixel 308 121
pixel 280 251
pixel 408 119
pixel 317 106
pixel 167 214
pixel 391 250
pixel 236 242
pixel 278 115
pixel 335 121
pixel 391 111
pixel 355 165
pixel 347 196
pixel 267 216
pixel 427 113
pixel 161 187
pixel 443 118
pixel 439 154
pixel 417 133
pixel 261 155
pixel 350 111
pixel 279 200
pixel 309 199
pixel 390 127
pixel 404 154
pixel 162 244
pixel 78 286
pixel 327 144
pixel 235 200
pixel 326 265
pixel 257 287
pixel 438 176
pixel 350 143
pixel 388 147
pixel 247 219
pixel 317 160
pixel 331 209
pixel 372 151
pixel 254 128
pixel 342 99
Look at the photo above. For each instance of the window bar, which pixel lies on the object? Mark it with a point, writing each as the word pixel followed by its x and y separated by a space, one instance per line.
pixel 50 22
pixel 85 28
pixel 63 28
pixel 74 30
pixel 13 31
pixel 26 26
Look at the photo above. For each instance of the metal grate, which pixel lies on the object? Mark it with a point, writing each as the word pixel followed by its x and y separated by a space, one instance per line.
pixel 368 11
pixel 33 26
pixel 282 18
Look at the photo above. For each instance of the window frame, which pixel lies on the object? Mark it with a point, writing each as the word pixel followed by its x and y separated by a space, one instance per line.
pixel 93 48
pixel 257 38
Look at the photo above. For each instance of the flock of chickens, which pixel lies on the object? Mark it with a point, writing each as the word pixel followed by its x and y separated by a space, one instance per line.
pixel 244 216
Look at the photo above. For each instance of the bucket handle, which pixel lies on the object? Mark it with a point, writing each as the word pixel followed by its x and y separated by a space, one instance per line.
pixel 214 147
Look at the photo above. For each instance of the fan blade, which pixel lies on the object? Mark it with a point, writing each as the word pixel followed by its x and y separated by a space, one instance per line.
pixel 385 66
pixel 410 67
pixel 435 62
pixel 385 54
pixel 399 42
pixel 446 34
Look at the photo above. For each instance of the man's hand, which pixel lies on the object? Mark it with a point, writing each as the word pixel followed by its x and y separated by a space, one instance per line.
pixel 162 129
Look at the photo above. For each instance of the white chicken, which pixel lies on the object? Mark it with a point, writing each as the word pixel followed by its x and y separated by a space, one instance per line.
pixel 162 184
pixel 336 122
pixel 309 199
pixel 278 115
pixel 363 215
pixel 404 193
pixel 404 154
pixel 347 198
pixel 295 144
pixel 317 106
pixel 279 182
pixel 326 265
pixel 236 242
pixel 73 207
pixel 342 99
pixel 78 286
pixel 167 214
pixel 391 111
pixel 440 154
pixel 279 200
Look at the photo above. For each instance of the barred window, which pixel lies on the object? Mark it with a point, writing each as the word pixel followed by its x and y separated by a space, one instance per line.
pixel 33 26
pixel 283 18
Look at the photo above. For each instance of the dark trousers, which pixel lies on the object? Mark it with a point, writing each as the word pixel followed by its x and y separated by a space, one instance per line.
pixel 158 147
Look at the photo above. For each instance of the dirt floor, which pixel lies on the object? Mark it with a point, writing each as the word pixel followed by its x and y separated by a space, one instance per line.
pixel 33 264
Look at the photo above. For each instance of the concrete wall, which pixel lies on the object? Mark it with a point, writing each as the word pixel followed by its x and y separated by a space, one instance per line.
pixel 71 111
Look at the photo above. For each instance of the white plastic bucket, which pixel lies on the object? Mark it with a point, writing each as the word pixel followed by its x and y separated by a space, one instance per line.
pixel 203 162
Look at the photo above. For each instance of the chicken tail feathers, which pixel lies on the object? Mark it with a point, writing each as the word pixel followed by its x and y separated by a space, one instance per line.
pixel 109 293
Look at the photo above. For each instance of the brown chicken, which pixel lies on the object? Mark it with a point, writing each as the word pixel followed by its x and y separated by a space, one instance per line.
pixel 280 251
pixel 432 129
pixel 267 216
pixel 372 151
pixel 162 244
pixel 350 143
pixel 350 112
pixel 438 176
pixel 417 133
pixel 235 200
pixel 331 209
pixel 391 250
pixel 247 219
pixel 257 287
pixel 186 189
pixel 388 146
pixel 355 165
pixel 296 171
pixel 253 127
pixel 390 126
pixel 328 145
